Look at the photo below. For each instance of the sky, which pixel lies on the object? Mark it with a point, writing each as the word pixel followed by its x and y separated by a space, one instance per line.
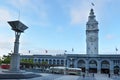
pixel 58 25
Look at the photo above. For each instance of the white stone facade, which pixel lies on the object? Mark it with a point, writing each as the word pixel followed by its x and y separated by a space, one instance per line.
pixel 91 62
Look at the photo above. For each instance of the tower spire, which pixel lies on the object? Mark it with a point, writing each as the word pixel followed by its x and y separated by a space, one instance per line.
pixel 91 15
pixel 91 12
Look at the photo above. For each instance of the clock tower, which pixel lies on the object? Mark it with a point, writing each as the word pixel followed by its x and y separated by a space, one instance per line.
pixel 92 34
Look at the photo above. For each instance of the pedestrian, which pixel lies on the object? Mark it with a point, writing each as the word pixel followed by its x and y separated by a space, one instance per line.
pixel 93 74
pixel 109 75
pixel 83 75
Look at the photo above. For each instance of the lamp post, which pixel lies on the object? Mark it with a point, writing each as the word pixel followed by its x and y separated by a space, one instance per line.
pixel 71 62
pixel 65 58
pixel 19 28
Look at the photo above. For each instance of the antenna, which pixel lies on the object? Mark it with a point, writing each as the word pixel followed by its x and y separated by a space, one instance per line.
pixel 19 14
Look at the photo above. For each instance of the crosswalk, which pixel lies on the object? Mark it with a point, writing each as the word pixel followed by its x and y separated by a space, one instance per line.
pixel 68 77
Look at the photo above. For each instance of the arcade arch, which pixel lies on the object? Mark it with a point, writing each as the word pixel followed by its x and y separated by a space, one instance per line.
pixel 81 64
pixel 93 66
pixel 116 69
pixel 105 67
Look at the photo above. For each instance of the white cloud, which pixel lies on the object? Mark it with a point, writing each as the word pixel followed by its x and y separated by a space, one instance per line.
pixel 39 9
pixel 18 3
pixel 6 44
pixel 9 13
pixel 32 7
pixel 78 16
pixel 110 36
pixel 79 9
pixel 79 12
pixel 5 15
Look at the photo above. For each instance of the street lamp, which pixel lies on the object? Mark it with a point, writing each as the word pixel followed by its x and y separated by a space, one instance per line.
pixel 19 28
pixel 71 62
pixel 14 72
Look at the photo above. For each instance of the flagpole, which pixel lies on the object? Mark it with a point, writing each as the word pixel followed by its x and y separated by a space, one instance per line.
pixel 72 50
pixel 65 62
pixel 92 5
pixel 116 50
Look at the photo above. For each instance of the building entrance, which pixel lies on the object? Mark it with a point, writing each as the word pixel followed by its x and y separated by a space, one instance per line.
pixel 105 67
pixel 116 70
pixel 81 64
pixel 106 71
pixel 93 66
pixel 92 70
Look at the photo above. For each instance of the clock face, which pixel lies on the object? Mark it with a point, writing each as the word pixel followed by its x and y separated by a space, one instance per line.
pixel 92 26
pixel 92 38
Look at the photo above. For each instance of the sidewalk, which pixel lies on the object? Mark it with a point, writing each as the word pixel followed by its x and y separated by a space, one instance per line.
pixel 102 77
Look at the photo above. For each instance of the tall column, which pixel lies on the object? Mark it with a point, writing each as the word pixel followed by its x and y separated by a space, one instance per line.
pixel 15 57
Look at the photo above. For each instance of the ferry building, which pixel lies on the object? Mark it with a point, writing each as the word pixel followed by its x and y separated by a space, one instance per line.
pixel 92 61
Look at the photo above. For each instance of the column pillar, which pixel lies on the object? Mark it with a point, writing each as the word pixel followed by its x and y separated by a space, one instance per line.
pixel 87 67
pixel 52 61
pixel 75 63
pixel 68 63
pixel 15 57
pixel 48 61
pixel 15 62
pixel 111 67
pixel 56 61
pixel 98 67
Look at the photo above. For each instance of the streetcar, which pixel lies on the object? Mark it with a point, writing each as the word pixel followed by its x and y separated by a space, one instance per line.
pixel 67 70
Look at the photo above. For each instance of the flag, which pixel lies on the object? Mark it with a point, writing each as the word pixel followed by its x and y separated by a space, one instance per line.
pixel 65 50
pixel 72 49
pixel 116 49
pixel 92 4
pixel 46 51
pixel 29 51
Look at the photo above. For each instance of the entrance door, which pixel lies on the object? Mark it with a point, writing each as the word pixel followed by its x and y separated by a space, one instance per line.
pixel 81 64
pixel 93 66
pixel 106 71
pixel 116 70
pixel 105 67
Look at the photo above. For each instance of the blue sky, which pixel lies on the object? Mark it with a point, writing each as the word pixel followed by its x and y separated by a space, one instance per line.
pixel 58 25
